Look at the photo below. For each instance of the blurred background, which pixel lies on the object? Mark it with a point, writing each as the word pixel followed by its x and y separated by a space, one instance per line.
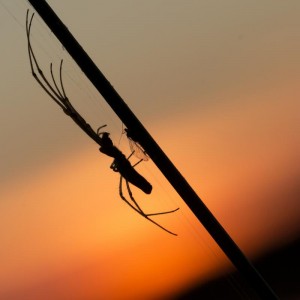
pixel 216 83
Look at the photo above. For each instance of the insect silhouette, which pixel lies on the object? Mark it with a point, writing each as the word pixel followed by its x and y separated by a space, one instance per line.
pixel 120 164
pixel 135 146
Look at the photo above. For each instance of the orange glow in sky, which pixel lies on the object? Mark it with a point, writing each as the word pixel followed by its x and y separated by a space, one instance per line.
pixel 82 233
pixel 220 95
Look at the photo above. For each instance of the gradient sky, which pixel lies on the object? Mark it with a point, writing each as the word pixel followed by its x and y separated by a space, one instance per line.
pixel 216 83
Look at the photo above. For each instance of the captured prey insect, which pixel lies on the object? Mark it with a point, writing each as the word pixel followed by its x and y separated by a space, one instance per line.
pixel 120 164
pixel 134 145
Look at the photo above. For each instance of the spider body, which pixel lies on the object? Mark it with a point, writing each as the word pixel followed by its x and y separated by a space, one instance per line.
pixel 122 165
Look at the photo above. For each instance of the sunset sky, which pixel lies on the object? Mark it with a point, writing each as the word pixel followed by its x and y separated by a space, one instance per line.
pixel 216 83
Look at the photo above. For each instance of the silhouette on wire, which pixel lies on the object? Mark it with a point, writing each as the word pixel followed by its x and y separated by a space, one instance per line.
pixel 120 163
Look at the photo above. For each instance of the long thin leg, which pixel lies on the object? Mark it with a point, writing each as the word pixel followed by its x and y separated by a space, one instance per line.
pixel 33 62
pixel 132 199
pixel 61 81
pixel 148 215
pixel 137 208
pixel 130 194
pixel 56 92
pixel 61 94
pixel 163 213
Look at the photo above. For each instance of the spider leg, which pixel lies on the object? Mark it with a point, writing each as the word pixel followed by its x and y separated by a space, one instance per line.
pixel 137 207
pixel 57 94
pixel 137 162
pixel 133 200
pixel 61 81
pixel 43 81
pixel 159 213
pixel 62 95
pixel 99 128
pixel 130 156
pixel 61 90
pixel 55 90
pixel 163 213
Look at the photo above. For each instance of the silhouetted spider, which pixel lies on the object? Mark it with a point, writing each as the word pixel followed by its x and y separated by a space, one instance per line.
pixel 120 164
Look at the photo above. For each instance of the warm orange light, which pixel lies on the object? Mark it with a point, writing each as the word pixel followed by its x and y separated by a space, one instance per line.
pixel 67 223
